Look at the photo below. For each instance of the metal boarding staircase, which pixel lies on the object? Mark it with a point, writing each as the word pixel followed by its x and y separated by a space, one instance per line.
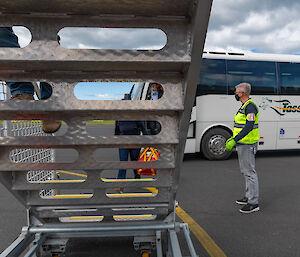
pixel 149 217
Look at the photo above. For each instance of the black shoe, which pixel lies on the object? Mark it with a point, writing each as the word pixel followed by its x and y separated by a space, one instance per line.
pixel 242 201
pixel 249 208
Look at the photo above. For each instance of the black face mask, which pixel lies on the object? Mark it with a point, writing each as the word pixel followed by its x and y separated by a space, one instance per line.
pixel 237 97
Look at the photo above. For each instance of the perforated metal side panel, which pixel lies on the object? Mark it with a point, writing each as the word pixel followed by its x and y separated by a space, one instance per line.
pixel 175 67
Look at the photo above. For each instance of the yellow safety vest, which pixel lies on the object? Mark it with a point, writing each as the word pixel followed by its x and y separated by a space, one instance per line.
pixel 240 121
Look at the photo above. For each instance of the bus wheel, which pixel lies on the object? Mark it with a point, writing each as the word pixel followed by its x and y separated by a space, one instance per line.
pixel 213 144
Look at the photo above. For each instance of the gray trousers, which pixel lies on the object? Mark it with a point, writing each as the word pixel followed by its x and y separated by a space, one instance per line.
pixel 246 155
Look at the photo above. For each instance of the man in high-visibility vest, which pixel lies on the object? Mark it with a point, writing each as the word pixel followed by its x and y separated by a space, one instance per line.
pixel 245 137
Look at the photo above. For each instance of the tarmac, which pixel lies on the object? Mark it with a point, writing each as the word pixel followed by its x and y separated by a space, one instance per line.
pixel 207 193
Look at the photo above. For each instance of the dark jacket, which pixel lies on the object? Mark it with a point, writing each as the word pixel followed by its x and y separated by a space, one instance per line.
pixel 8 38
pixel 127 127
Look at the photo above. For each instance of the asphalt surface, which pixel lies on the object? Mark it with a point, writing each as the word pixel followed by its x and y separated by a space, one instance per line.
pixel 207 192
pixel 273 231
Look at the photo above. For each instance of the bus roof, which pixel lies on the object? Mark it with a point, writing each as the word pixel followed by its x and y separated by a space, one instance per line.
pixel 252 56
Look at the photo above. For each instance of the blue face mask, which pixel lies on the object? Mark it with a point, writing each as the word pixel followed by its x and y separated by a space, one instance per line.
pixel 154 95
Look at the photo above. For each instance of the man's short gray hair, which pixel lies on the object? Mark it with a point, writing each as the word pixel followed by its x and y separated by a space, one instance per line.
pixel 246 87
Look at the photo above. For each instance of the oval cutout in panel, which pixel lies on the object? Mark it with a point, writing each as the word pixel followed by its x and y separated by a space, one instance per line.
pixel 126 154
pixel 118 91
pixel 69 194
pixel 22 128
pixel 113 128
pixel 112 38
pixel 25 90
pixel 43 155
pixel 154 91
pixel 78 219
pixel 56 176
pixel 40 176
pixel 111 176
pixel 15 37
pixel 132 193
pixel 134 217
pixel 34 155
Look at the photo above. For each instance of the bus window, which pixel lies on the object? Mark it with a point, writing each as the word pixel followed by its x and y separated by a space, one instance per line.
pixel 155 88
pixel 289 78
pixel 261 76
pixel 212 78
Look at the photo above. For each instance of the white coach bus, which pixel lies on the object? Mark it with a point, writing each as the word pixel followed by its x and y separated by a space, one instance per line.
pixel 275 81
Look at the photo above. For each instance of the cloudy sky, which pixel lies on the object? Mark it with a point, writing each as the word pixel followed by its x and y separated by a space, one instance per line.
pixel 264 26
pixel 268 26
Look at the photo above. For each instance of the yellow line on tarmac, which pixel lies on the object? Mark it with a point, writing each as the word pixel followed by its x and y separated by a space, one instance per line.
pixel 207 242
pixel 72 173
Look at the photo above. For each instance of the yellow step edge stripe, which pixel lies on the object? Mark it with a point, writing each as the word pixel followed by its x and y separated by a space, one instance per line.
pixel 73 196
pixel 64 181
pixel 207 242
pixel 103 179
pixel 115 195
pixel 85 217
pixel 127 180
pixel 142 216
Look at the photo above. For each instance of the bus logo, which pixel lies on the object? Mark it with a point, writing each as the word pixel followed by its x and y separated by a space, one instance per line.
pixel 281 107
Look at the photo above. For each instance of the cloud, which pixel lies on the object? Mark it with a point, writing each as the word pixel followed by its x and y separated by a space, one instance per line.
pixel 113 38
pixel 106 97
pixel 264 26
pixel 24 35
pixel 269 26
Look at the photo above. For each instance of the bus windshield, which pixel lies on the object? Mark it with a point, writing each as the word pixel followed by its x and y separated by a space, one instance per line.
pixel 137 91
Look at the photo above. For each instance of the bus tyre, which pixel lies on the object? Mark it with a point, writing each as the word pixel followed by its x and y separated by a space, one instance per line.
pixel 213 144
